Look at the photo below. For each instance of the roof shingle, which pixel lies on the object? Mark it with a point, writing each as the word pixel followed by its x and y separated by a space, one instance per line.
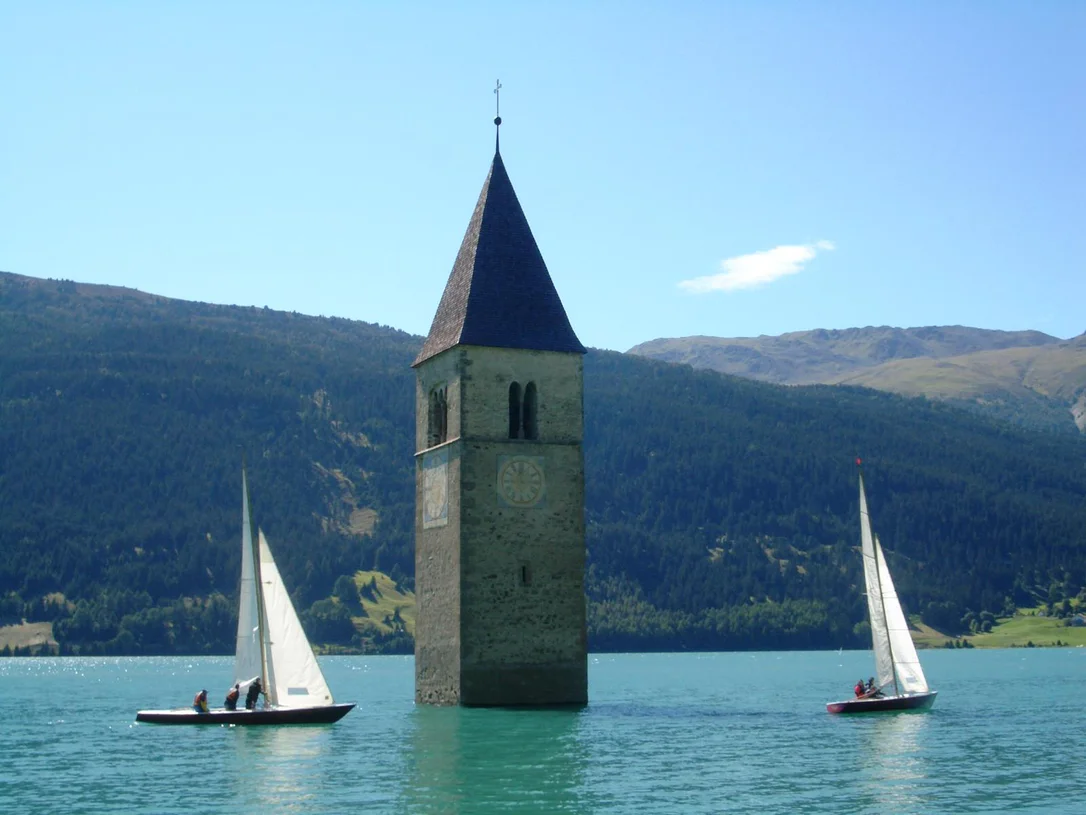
pixel 500 293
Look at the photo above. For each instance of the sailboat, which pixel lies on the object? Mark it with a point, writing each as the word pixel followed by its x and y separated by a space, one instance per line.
pixel 271 647
pixel 900 679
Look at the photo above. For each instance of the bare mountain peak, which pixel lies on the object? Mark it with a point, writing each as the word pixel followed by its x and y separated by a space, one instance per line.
pixel 865 346
pixel 1018 371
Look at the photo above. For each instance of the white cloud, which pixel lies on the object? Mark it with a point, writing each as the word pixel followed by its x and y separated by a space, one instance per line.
pixel 757 269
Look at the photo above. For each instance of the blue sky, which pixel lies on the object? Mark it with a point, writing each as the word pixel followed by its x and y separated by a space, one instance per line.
pixel 728 169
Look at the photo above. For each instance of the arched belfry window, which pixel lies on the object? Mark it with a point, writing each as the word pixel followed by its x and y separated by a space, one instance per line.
pixel 531 429
pixel 438 424
pixel 514 411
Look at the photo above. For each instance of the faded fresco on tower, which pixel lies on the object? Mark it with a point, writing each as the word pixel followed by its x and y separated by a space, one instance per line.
pixel 435 489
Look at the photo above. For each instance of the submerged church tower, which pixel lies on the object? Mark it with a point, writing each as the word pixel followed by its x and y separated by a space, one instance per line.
pixel 499 476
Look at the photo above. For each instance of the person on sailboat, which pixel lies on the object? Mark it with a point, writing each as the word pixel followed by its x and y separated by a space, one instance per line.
pixel 254 691
pixel 871 690
pixel 859 689
pixel 231 702
pixel 199 704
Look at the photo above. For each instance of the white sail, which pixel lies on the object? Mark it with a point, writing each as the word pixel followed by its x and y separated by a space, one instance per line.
pixel 247 661
pixel 910 676
pixel 880 634
pixel 294 678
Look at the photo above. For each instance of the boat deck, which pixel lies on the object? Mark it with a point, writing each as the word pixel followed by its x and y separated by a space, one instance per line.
pixel 881 704
pixel 325 714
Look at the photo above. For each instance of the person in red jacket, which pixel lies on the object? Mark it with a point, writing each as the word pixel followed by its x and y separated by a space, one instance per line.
pixel 860 689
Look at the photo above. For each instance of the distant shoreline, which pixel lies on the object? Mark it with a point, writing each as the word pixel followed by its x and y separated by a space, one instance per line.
pixel 1025 630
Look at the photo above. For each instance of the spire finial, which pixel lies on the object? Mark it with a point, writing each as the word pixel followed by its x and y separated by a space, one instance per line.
pixel 497 112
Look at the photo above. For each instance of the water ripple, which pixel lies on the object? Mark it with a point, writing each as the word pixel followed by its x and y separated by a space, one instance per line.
pixel 690 733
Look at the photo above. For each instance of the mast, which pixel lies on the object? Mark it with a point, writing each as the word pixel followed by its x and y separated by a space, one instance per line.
pixel 882 600
pixel 261 615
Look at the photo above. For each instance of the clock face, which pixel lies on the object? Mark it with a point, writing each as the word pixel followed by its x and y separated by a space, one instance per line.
pixel 435 490
pixel 520 480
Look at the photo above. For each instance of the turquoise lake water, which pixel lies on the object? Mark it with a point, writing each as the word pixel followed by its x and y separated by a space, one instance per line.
pixel 674 733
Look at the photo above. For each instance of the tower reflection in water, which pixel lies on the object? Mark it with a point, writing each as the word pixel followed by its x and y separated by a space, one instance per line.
pixel 469 760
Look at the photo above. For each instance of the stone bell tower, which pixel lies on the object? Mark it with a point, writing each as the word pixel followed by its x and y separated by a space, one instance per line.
pixel 499 476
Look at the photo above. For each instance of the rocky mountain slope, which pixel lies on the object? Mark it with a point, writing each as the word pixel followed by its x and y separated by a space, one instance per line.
pixel 1026 377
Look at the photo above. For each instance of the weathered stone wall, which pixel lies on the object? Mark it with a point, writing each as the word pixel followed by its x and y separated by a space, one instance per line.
pixel 437 549
pixel 437 595
pixel 501 617
pixel 487 374
pixel 523 640
pixel 442 369
pixel 522 581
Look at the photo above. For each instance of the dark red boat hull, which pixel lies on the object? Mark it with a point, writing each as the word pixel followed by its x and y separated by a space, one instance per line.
pixel 305 715
pixel 881 704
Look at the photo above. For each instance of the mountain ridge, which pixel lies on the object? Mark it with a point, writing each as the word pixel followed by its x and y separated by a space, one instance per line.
pixel 1026 376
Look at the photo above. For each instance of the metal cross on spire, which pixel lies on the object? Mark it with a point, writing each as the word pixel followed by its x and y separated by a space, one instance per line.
pixel 497 112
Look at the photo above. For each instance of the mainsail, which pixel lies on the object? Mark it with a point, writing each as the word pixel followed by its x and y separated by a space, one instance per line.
pixel 896 663
pixel 880 635
pixel 247 653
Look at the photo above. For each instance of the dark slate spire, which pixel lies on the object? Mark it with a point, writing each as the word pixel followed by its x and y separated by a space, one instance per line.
pixel 500 293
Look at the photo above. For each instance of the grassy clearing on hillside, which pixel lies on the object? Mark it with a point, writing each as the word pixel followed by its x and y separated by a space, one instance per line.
pixel 924 636
pixel 1020 630
pixel 25 635
pixel 385 601
pixel 1009 632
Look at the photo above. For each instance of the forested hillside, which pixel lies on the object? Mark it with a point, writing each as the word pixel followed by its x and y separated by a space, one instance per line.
pixel 711 493
pixel 721 512
pixel 123 419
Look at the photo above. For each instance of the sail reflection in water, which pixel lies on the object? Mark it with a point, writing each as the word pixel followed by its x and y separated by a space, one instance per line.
pixel 468 760
pixel 281 769
pixel 893 769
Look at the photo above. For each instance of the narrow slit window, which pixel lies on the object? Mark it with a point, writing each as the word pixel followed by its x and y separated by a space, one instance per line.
pixel 531 429
pixel 443 416
pixel 514 411
pixel 525 575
